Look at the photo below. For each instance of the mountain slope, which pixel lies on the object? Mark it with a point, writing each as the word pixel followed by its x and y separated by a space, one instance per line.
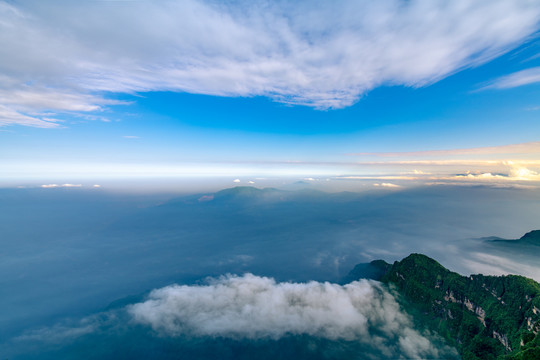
pixel 485 317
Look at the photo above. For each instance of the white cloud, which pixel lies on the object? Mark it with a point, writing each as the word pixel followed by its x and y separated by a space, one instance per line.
pixel 205 198
pixel 522 173
pixel 257 307
pixel 532 147
pixel 324 56
pixel 62 185
pixel 514 174
pixel 378 177
pixel 482 263
pixel 445 162
pixel 388 185
pixel 9 116
pixel 236 180
pixel 520 78
pixel 131 137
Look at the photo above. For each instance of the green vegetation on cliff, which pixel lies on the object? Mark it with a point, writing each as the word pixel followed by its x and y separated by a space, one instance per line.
pixel 484 317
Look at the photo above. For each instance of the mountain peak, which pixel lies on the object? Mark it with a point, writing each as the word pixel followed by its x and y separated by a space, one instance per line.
pixel 240 190
pixel 483 316
pixel 530 238
pixel 532 235
pixel 246 194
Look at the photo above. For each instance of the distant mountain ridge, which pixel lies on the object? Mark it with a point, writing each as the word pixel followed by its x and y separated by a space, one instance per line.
pixel 244 191
pixel 530 238
pixel 374 270
pixel 484 317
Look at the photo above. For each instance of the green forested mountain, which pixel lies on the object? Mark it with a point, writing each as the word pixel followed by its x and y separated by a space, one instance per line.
pixel 484 317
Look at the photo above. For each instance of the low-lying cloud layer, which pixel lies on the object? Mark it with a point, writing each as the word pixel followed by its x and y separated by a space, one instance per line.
pixel 255 307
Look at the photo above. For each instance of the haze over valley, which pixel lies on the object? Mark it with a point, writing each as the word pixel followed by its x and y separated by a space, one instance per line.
pixel 118 247
pixel 207 179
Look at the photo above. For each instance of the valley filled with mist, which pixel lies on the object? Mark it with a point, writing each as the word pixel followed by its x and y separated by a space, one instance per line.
pixel 116 275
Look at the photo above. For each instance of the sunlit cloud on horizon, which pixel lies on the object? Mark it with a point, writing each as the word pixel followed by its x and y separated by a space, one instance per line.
pixel 512 149
pixel 409 170
pixel 380 174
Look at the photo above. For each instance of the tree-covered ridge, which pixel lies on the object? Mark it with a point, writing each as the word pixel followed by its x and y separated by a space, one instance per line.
pixel 485 317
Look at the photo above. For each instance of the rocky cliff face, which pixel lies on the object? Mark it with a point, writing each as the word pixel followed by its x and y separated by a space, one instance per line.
pixel 484 317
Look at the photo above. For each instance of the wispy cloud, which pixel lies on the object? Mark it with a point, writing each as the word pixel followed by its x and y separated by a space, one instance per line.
pixel 480 262
pixel 377 177
pixel 48 186
pixel 59 333
pixel 523 148
pixel 520 78
pixel 387 185
pixel 9 116
pixel 324 56
pixel 402 172
pixel 515 174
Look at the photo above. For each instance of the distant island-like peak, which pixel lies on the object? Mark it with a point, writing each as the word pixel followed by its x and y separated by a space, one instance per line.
pixel 532 235
pixel 530 238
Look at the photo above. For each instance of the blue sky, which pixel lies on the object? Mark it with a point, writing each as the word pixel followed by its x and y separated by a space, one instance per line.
pixel 241 90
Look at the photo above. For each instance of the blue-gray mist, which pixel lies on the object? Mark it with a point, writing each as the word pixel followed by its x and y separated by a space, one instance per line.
pixel 69 253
